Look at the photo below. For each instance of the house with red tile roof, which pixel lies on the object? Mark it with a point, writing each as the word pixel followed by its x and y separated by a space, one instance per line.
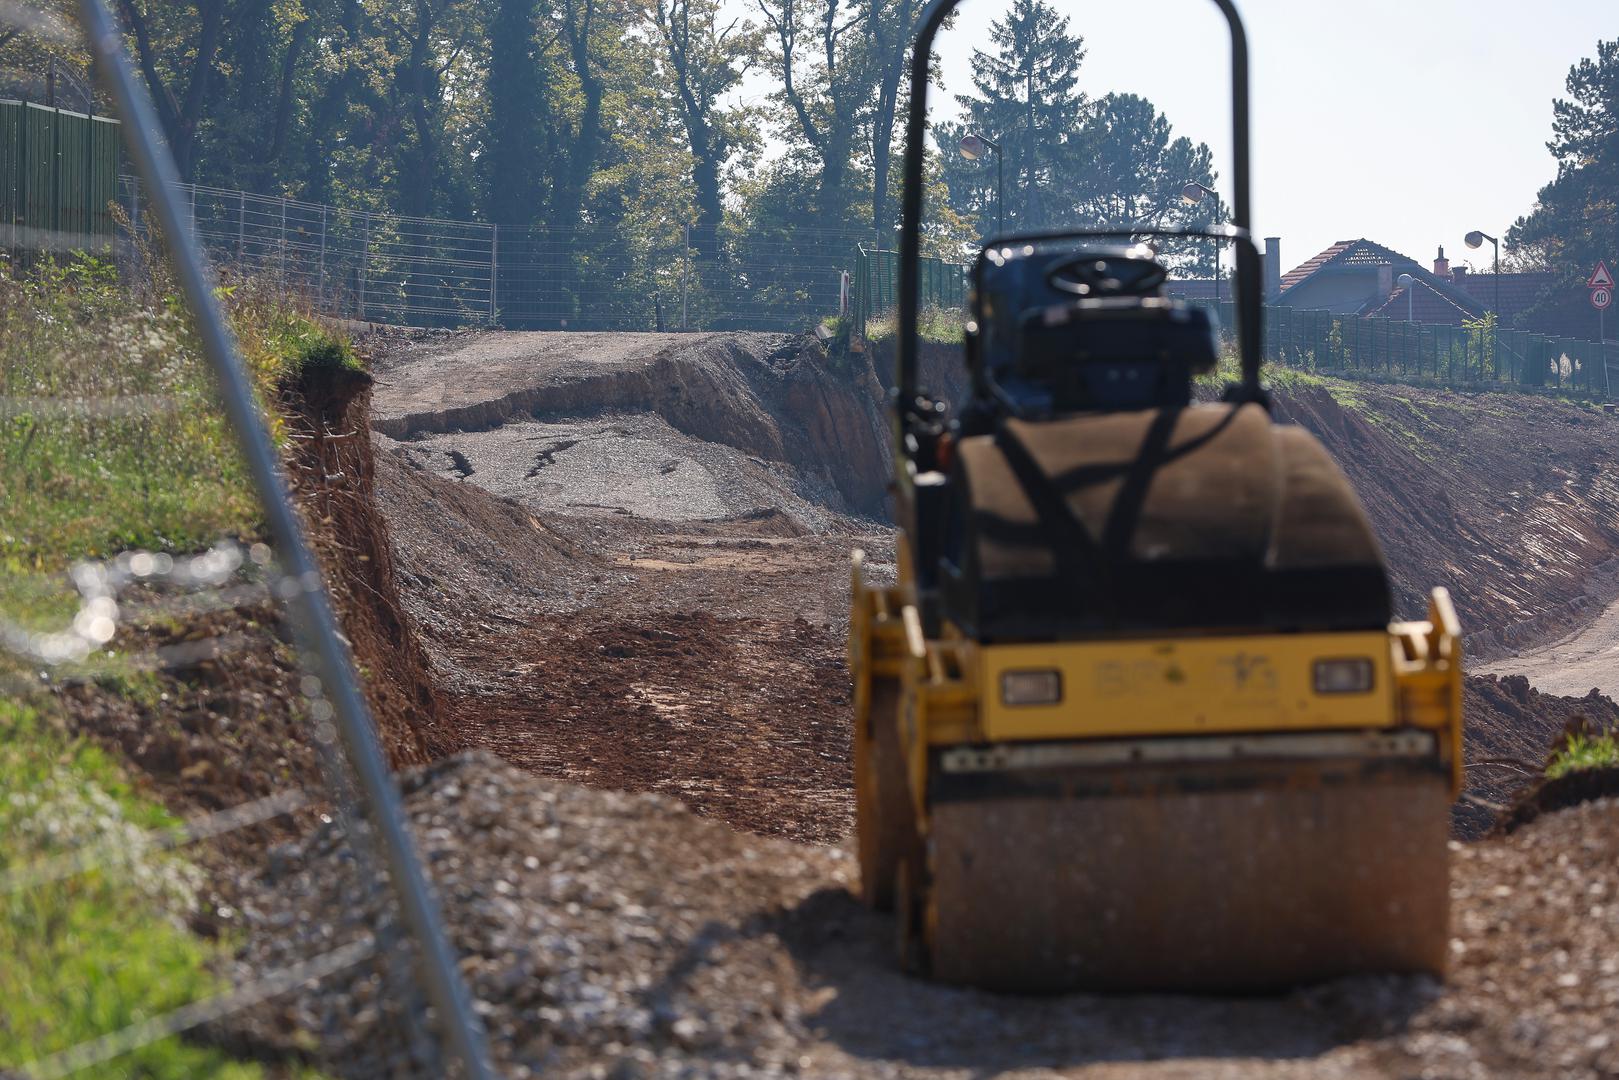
pixel 1359 277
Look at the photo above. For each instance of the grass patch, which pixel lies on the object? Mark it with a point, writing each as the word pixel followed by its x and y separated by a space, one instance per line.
pixel 934 326
pixel 99 951
pixel 1582 752
pixel 113 437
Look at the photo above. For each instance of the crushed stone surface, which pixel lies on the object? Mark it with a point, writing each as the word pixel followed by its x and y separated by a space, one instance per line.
pixel 630 464
pixel 609 934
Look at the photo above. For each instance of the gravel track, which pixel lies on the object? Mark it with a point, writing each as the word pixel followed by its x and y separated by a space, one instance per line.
pixel 594 615
pixel 607 934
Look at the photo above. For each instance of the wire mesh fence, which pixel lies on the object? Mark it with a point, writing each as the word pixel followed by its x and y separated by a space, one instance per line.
pixel 1477 354
pixel 181 720
pixel 438 272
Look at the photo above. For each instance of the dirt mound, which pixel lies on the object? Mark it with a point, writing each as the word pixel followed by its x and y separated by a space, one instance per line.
pixel 1511 727
pixel 606 928
pixel 1509 500
pixel 598 925
pixel 770 396
pixel 742 719
pixel 1570 789
pixel 333 469
pixel 228 723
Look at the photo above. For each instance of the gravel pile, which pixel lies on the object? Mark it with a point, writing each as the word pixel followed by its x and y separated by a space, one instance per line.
pixel 613 935
pixel 600 931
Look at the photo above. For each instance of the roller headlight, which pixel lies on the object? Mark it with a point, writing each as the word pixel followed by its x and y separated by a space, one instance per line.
pixel 1348 676
pixel 1031 687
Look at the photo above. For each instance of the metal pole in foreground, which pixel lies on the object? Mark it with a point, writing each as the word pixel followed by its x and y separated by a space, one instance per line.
pixel 1602 353
pixel 156 167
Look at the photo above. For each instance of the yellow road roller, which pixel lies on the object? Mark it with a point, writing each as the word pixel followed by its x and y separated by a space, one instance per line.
pixel 1135 715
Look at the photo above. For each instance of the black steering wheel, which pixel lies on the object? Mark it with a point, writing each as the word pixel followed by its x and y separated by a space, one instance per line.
pixel 1099 274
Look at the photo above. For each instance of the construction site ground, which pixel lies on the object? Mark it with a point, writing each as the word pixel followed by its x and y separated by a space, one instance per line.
pixel 627 558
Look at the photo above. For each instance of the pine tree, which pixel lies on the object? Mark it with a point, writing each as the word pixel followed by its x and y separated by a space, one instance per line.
pixel 1575 221
pixel 1027 100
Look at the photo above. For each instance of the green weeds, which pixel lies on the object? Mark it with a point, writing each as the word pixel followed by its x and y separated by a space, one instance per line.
pixel 1580 752
pixel 112 437
pixel 934 326
pixel 96 951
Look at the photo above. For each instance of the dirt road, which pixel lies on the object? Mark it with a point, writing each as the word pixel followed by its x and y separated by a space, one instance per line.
pixel 632 574
pixel 1573 665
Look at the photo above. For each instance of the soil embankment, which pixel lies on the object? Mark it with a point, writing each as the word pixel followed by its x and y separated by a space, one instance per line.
pixel 633 572
pixel 627 576
pixel 1509 500
pixel 227 723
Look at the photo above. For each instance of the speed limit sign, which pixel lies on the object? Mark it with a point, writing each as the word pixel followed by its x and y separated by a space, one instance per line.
pixel 1601 298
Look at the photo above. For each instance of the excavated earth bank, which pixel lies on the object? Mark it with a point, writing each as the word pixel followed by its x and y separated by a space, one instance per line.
pixel 627 551
pixel 627 557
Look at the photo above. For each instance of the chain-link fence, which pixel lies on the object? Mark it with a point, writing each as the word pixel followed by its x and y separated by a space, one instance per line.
pixel 188 758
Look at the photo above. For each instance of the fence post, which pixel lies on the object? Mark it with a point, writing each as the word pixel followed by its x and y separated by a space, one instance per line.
pixel 365 262
pixel 241 227
pixel 283 271
pixel 685 273
pixel 494 268
pixel 320 281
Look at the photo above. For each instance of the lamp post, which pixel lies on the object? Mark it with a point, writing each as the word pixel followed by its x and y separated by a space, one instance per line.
pixel 972 148
pixel 1409 284
pixel 1195 193
pixel 1475 239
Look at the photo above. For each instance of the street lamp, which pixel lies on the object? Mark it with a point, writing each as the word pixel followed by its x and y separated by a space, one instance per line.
pixel 972 148
pixel 1195 193
pixel 1409 284
pixel 1475 239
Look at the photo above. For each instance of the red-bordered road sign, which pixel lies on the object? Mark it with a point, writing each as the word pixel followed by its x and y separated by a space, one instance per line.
pixel 1600 278
pixel 1601 298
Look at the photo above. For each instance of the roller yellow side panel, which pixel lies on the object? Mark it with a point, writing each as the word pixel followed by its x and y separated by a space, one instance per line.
pixel 1188 686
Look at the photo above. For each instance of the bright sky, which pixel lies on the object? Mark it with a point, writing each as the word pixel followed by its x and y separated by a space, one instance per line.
pixel 1408 122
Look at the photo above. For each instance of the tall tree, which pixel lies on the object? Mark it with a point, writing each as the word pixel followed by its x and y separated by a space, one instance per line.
pixel 517 114
pixel 823 68
pixel 176 47
pixel 1027 100
pixel 1069 161
pixel 1575 220
pixel 703 57
pixel 888 31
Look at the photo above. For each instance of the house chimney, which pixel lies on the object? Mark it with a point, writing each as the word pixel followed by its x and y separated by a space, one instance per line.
pixel 1458 272
pixel 1273 268
pixel 1441 265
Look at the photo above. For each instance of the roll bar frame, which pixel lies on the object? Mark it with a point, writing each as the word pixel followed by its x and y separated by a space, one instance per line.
pixel 1250 307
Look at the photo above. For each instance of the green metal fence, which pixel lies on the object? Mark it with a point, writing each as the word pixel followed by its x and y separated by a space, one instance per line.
pixel 58 179
pixel 1474 355
pixel 876 285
